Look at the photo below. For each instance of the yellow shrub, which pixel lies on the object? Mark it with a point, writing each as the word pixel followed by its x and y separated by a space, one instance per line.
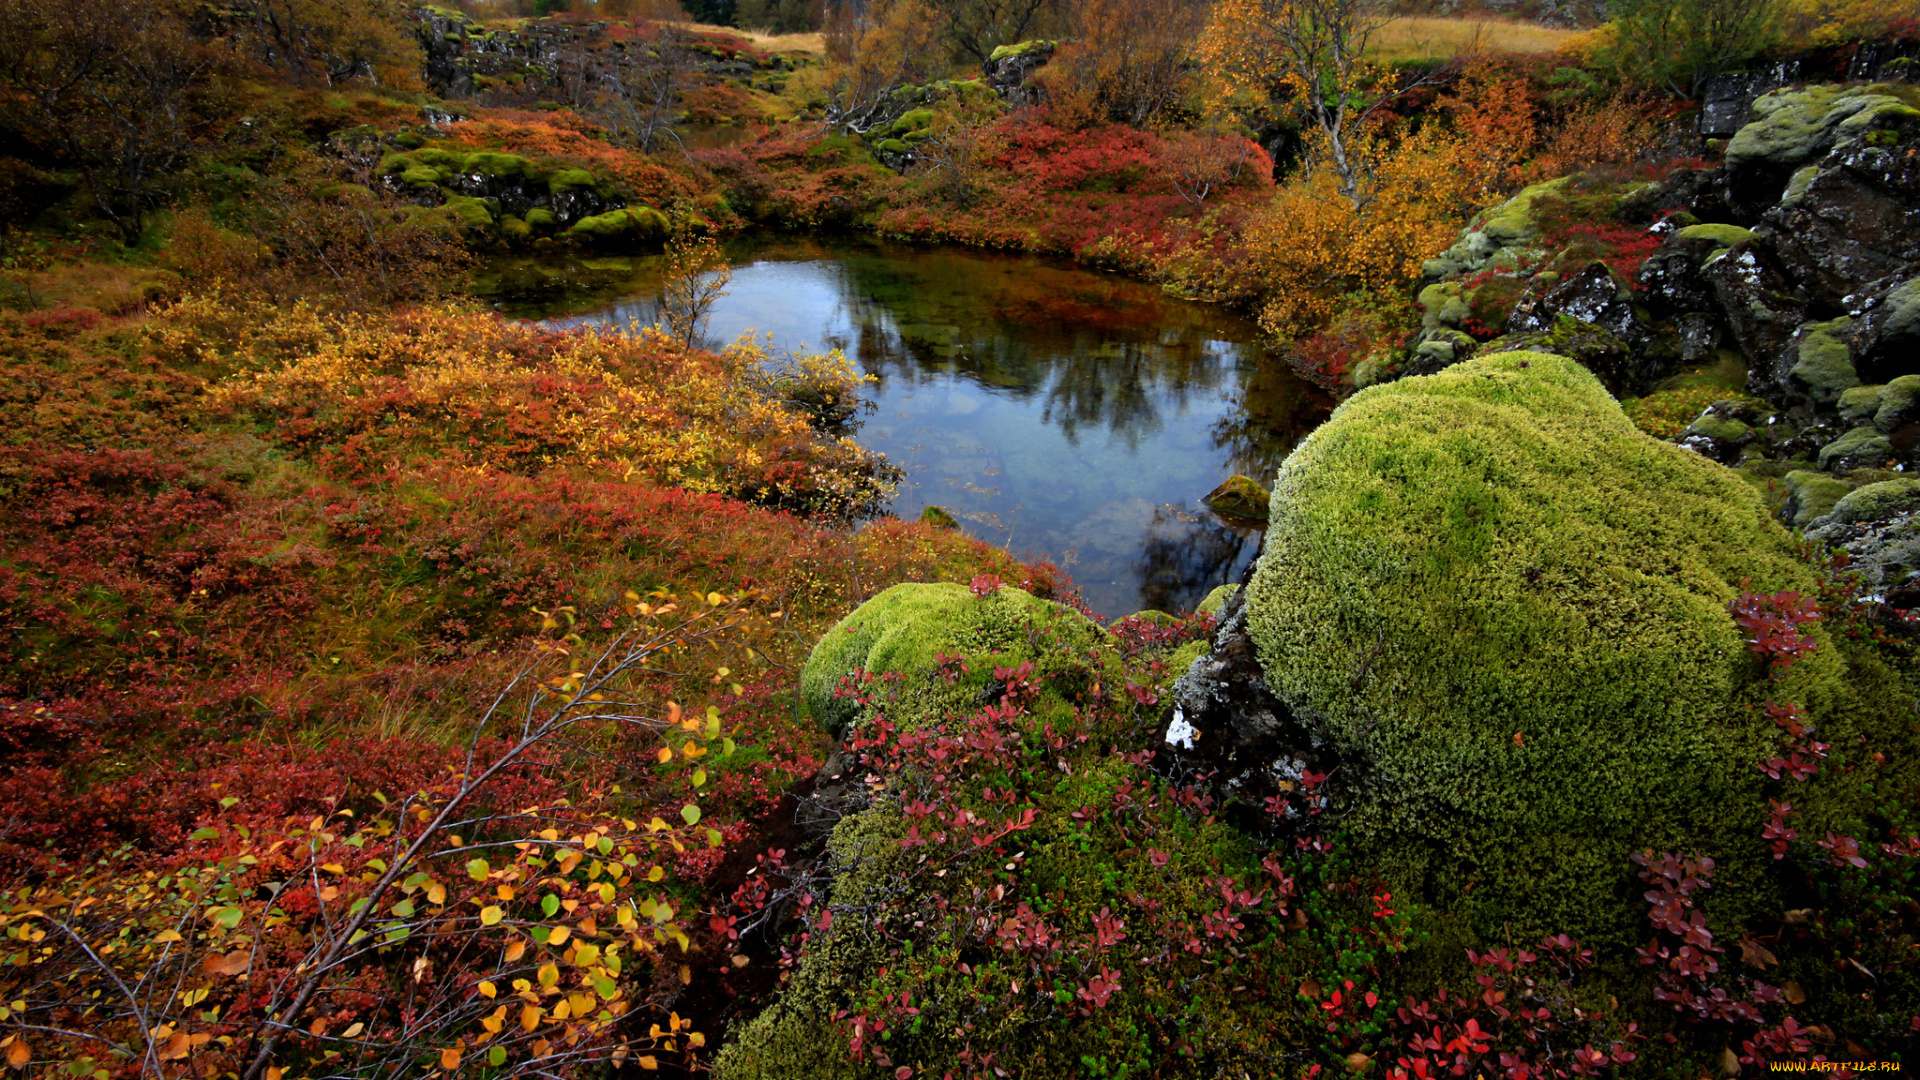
pixel 1310 246
pixel 471 387
pixel 1836 22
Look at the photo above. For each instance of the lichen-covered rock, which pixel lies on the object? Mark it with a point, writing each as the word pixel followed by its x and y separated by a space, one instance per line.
pixel 1876 527
pixel 1861 448
pixel 1505 609
pixel 1898 404
pixel 1824 367
pixel 1009 70
pixel 1795 127
pixel 1240 498
pixel 1853 229
pixel 1810 496
pixel 904 628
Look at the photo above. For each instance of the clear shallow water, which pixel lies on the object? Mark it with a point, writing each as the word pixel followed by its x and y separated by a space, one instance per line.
pixel 1054 411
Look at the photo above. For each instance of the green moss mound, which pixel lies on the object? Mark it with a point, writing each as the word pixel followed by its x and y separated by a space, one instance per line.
pixel 640 222
pixel 903 629
pixel 1508 608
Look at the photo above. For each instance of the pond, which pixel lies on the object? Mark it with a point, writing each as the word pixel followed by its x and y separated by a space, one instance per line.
pixel 1054 411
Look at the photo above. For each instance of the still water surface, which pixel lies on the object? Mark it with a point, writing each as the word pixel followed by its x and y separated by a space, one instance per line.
pixel 1053 410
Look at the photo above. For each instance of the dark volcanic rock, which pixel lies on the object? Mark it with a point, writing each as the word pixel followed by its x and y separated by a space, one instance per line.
pixel 1228 724
pixel 1565 317
pixel 1593 295
pixel 1673 280
pixel 1887 338
pixel 1592 347
pixel 1854 229
pixel 1762 313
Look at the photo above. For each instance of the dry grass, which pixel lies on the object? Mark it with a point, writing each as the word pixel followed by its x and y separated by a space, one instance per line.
pixel 109 288
pixel 815 43
pixel 1420 37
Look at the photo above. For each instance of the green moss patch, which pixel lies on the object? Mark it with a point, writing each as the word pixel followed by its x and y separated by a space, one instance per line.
pixel 904 629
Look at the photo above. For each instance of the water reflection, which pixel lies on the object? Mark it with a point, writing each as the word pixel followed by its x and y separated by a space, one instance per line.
pixel 1052 410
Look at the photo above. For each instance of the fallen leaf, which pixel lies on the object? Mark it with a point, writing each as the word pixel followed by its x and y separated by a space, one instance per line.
pixel 1862 967
pixel 450 1058
pixel 1754 954
pixel 1729 1061
pixel 1793 993
pixel 1358 1062
pixel 1310 989
pixel 19 1053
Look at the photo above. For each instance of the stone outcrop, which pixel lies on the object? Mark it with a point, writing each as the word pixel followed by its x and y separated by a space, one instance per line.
pixel 1009 71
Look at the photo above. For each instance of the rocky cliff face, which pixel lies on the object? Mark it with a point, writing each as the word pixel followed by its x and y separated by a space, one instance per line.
pixel 1796 260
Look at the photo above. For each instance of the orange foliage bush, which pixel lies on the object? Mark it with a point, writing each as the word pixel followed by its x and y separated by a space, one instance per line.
pixel 1311 245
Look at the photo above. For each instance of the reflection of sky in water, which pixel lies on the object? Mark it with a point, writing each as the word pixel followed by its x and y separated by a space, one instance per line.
pixel 1054 411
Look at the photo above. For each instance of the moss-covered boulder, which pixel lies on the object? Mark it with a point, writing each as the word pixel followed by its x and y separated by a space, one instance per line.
pixel 1898 404
pixel 1507 606
pixel 1824 368
pixel 1216 599
pixel 1861 448
pixel 1238 498
pixel 1860 403
pixel 1509 226
pixel 939 518
pixel 908 627
pixel 1810 495
pixel 474 213
pixel 637 223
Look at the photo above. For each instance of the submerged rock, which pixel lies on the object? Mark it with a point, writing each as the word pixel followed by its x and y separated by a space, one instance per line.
pixel 938 518
pixel 1240 498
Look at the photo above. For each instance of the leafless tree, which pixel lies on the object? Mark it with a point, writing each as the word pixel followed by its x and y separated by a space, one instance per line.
pixel 125 94
pixel 874 51
pixel 977 27
pixel 633 88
